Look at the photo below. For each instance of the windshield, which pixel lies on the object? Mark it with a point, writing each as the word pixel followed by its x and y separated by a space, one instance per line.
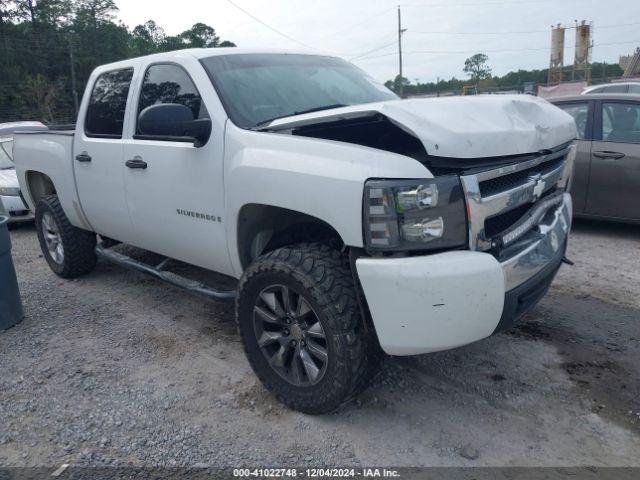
pixel 258 88
pixel 5 155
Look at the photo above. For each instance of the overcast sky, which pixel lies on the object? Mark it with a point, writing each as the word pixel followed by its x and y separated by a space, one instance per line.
pixel 440 33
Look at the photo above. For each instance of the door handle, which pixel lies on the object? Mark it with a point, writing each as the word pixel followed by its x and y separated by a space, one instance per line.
pixel 83 157
pixel 136 162
pixel 608 154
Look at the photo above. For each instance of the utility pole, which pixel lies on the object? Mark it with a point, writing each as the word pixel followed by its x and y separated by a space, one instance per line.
pixel 400 32
pixel 74 90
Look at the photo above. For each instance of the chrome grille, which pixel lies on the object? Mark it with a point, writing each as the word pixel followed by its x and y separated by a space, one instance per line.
pixel 498 199
pixel 496 225
pixel 505 182
pixel 499 224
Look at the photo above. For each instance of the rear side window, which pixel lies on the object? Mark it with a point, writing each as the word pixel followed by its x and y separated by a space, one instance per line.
pixel 105 114
pixel 621 122
pixel 579 112
pixel 165 83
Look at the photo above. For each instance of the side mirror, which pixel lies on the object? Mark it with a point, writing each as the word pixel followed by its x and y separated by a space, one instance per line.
pixel 172 121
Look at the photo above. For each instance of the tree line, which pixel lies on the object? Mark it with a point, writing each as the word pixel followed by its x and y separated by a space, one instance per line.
pixel 49 48
pixel 477 69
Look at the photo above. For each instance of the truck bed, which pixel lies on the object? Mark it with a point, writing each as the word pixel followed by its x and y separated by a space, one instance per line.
pixel 50 153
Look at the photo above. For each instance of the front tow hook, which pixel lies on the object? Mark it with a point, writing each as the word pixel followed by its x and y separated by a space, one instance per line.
pixel 567 261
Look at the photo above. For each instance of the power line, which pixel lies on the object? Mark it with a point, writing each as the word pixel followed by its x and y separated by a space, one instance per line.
pixel 465 52
pixel 355 25
pixel 519 32
pixel 382 12
pixel 284 35
pixel 477 33
pixel 364 54
pixel 475 4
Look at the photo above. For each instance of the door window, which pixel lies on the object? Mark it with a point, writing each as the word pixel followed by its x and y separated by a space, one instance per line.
pixel 166 83
pixel 621 122
pixel 105 114
pixel 580 113
pixel 635 88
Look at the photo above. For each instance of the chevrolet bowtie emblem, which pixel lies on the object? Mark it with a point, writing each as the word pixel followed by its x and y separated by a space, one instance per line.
pixel 538 187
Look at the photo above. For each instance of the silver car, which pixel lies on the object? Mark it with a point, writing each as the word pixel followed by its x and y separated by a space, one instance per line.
pixel 618 87
pixel 10 197
pixel 606 182
pixel 11 200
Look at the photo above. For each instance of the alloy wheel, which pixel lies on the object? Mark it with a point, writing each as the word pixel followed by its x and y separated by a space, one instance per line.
pixel 290 335
pixel 52 238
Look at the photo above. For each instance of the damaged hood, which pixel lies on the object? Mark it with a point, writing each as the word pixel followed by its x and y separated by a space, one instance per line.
pixel 461 127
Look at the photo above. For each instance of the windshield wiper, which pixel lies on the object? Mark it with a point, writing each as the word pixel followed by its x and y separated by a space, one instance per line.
pixel 318 109
pixel 310 110
pixel 268 120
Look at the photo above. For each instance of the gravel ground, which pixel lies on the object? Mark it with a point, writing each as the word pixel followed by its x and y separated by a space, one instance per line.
pixel 118 369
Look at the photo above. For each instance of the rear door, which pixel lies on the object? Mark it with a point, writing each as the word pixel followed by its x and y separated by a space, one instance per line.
pixel 582 113
pixel 615 161
pixel 98 153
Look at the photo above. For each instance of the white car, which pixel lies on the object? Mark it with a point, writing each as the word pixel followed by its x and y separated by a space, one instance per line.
pixel 352 221
pixel 617 87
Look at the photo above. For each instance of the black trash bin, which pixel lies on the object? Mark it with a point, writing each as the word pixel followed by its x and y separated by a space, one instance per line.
pixel 10 303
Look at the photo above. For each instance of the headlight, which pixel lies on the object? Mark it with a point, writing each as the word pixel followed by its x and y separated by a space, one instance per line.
pixel 414 214
pixel 9 191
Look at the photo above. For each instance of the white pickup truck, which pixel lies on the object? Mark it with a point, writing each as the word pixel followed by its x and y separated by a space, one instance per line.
pixel 355 222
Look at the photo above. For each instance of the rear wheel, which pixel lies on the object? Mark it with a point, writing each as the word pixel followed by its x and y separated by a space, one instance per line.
pixel 69 251
pixel 302 330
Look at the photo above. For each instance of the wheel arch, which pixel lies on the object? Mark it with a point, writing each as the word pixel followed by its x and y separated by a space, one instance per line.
pixel 262 228
pixel 38 185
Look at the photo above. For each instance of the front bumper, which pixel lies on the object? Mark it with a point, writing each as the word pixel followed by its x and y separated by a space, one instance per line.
pixel 16 209
pixel 442 301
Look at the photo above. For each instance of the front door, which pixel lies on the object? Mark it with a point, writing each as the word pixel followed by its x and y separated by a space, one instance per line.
pixel 175 189
pixel 614 182
pixel 98 153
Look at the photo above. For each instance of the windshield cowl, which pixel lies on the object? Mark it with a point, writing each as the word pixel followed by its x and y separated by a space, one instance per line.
pixel 266 123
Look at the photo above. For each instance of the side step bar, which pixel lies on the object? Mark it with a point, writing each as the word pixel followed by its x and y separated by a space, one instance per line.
pixel 168 277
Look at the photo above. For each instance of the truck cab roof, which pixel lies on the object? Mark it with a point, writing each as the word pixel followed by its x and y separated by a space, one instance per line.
pixel 199 53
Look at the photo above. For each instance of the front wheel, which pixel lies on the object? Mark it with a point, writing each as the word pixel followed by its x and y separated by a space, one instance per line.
pixel 302 330
pixel 69 251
